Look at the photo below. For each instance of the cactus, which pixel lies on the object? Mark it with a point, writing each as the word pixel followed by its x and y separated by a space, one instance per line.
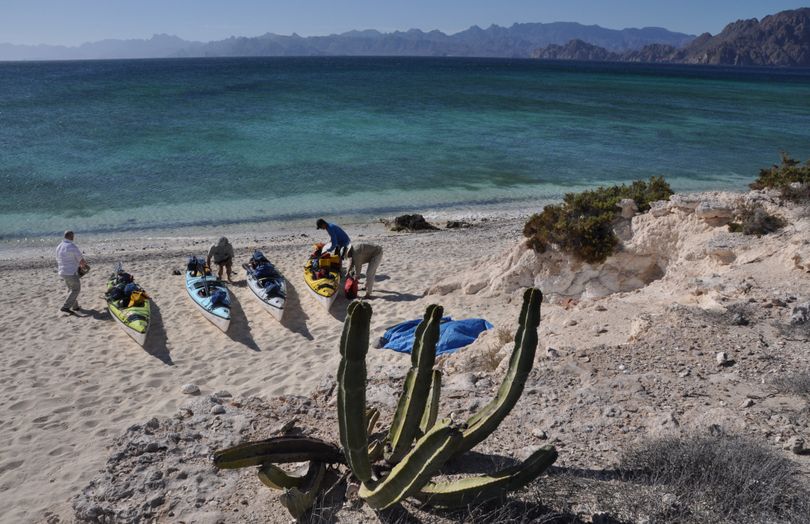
pixel 351 380
pixel 416 446
pixel 278 450
pixel 486 487
pixel 274 477
pixel 429 454
pixel 432 407
pixel 415 392
pixel 480 425
pixel 299 500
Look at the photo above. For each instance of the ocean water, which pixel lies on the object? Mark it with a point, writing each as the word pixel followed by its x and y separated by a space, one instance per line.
pixel 135 145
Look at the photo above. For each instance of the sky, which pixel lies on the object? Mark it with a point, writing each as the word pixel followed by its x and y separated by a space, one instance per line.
pixel 73 22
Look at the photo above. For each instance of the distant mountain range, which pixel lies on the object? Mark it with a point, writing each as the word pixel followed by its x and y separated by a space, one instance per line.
pixel 781 40
pixel 517 41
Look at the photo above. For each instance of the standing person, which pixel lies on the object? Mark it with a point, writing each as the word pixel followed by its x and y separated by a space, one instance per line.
pixel 339 239
pixel 370 254
pixel 69 259
pixel 222 253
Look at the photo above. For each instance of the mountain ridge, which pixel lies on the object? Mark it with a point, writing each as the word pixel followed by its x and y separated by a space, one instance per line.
pixel 516 41
pixel 781 40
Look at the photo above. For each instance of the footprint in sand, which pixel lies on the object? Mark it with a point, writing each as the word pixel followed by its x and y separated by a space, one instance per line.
pixel 17 406
pixel 8 466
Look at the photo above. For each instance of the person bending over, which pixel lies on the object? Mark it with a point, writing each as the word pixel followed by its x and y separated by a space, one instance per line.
pixel 370 254
pixel 222 254
pixel 338 238
pixel 69 260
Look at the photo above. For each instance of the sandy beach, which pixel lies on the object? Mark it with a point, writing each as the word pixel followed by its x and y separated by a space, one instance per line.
pixel 72 384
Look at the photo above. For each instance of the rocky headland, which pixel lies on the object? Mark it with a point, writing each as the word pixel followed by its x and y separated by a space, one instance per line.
pixel 781 40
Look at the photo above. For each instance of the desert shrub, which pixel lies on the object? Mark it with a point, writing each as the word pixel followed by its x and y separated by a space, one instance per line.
pixel 583 224
pixel 783 176
pixel 720 479
pixel 753 219
pixel 796 383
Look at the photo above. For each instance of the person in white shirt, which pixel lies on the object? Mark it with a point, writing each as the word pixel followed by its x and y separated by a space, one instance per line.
pixel 69 259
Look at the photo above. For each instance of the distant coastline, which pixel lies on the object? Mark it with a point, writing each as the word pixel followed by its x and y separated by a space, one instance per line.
pixel 777 40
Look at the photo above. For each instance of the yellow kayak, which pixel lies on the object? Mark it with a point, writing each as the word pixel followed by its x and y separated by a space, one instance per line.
pixel 322 276
pixel 129 305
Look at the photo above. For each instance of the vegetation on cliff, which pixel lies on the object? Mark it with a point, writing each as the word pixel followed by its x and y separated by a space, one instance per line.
pixel 791 178
pixel 582 225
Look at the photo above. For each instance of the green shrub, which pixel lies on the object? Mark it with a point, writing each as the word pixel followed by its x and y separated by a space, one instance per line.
pixel 781 177
pixel 754 220
pixel 583 224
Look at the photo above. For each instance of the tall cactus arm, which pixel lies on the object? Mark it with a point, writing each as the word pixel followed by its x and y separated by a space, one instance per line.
pixel 278 450
pixel 480 425
pixel 475 490
pixel 432 407
pixel 351 402
pixel 428 455
pixel 299 500
pixel 405 425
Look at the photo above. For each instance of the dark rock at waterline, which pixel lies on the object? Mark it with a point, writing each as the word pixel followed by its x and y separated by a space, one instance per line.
pixel 409 223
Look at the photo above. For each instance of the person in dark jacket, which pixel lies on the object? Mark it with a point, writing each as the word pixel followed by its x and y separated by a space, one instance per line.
pixel 339 240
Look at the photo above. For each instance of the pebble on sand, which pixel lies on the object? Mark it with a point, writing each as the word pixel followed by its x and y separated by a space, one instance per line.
pixel 190 389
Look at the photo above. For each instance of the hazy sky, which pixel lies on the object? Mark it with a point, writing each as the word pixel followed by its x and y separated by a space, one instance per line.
pixel 72 22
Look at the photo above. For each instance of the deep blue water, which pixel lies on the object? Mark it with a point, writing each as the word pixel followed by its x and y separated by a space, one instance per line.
pixel 139 144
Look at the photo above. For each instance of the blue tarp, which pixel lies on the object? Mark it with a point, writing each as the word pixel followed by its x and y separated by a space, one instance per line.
pixel 454 334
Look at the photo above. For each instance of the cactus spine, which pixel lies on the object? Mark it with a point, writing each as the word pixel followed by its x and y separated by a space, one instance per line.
pixel 405 425
pixel 351 402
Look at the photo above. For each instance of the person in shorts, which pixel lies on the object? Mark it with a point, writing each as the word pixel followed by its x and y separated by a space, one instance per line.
pixel 222 255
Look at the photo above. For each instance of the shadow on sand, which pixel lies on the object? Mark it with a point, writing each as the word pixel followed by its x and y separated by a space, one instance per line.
pixel 239 330
pixel 394 296
pixel 295 319
pixel 156 341
pixel 95 314
pixel 339 308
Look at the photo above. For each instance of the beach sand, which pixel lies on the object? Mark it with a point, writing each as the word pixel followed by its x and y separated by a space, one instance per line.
pixel 631 364
pixel 69 384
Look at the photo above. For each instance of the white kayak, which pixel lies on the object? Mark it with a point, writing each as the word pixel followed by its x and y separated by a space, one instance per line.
pixel 201 288
pixel 270 290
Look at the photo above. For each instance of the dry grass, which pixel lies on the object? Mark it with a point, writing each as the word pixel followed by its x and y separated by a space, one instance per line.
pixel 753 219
pixel 718 479
pixel 796 383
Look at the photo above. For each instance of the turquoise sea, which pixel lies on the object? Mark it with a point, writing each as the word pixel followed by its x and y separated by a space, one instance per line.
pixel 136 145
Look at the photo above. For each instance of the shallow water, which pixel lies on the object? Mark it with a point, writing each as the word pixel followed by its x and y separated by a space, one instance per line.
pixel 134 145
